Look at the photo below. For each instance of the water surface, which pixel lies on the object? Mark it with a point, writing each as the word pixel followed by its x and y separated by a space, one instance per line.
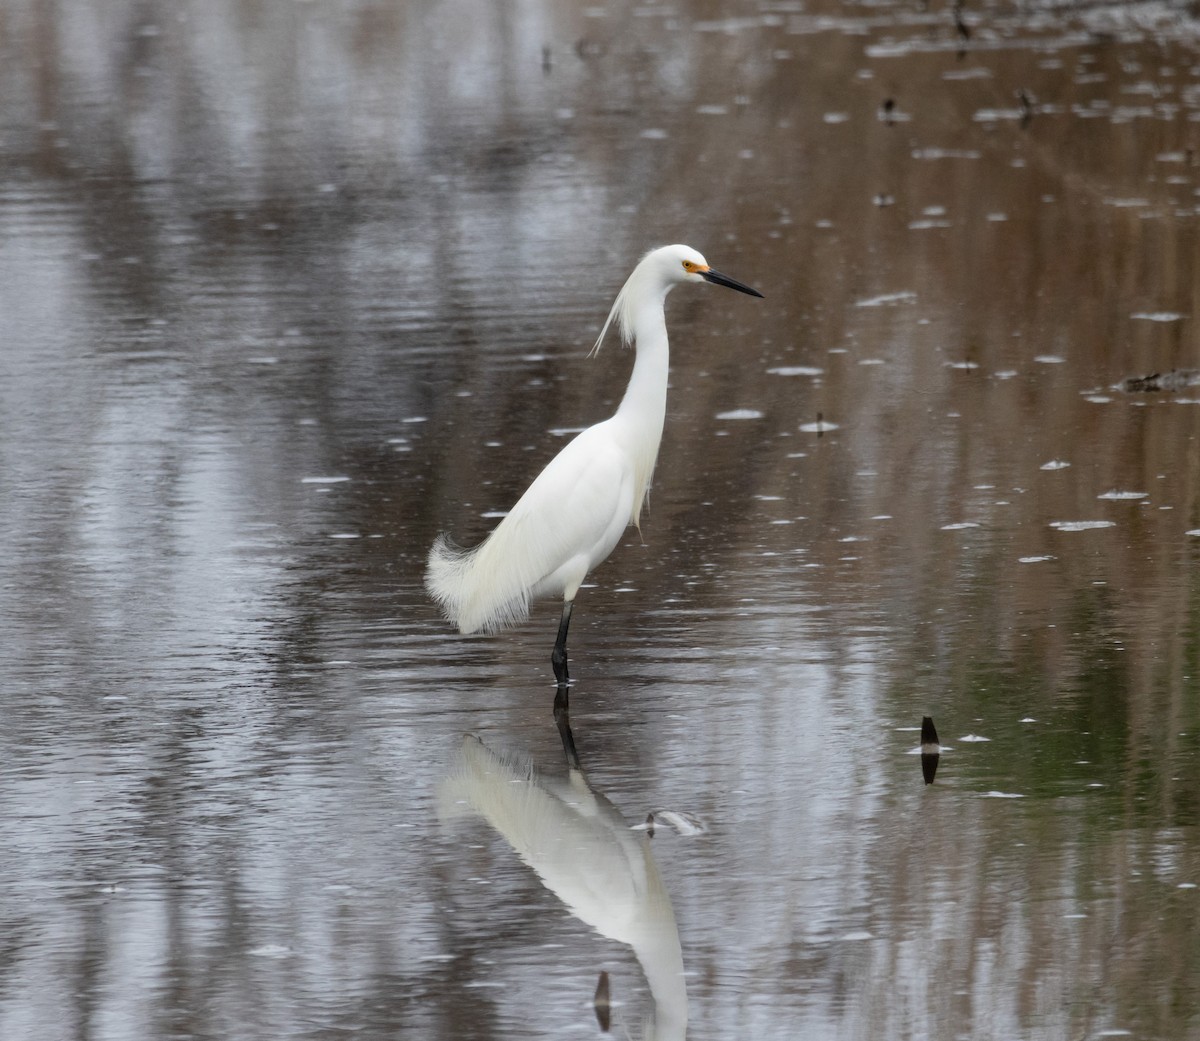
pixel 286 289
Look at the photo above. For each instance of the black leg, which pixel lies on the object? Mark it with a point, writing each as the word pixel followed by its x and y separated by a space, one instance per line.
pixel 558 658
pixel 563 720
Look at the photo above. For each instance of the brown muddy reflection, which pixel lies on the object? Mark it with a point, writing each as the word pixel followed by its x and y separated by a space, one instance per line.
pixel 287 288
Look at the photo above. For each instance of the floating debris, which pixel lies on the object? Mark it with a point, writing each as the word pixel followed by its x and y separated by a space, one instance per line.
pixel 1175 379
pixel 821 426
pixel 931 749
pixel 1028 102
pixel 681 823
pixel 960 23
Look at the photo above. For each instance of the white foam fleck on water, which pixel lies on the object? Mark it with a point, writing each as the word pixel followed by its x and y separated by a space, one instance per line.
pixel 1055 464
pixel 960 526
pixel 1049 359
pixel 946 153
pixel 883 299
pixel 741 413
pixel 1082 525
pixel 821 426
pixel 974 738
pixel 1157 316
pixel 324 480
pixel 1117 496
pixel 1002 795
pixel 796 370
pixel 1035 560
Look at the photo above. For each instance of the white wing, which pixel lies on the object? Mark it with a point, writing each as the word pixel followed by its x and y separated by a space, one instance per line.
pixel 568 520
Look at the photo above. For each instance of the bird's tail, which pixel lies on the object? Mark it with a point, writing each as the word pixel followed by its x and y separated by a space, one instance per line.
pixel 464 585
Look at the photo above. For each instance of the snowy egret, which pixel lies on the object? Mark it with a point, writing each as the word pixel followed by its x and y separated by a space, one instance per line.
pixel 573 514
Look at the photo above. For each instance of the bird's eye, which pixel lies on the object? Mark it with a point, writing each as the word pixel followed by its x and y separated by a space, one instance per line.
pixel 688 266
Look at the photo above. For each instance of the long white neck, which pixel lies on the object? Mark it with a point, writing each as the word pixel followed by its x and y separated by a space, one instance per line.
pixel 645 399
pixel 643 409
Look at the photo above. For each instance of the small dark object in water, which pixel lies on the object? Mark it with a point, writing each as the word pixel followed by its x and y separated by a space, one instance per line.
pixel 601 1002
pixel 931 750
pixel 1176 379
pixel 1026 100
pixel 964 30
pixel 887 112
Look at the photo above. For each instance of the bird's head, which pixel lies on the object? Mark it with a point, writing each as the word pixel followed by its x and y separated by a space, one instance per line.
pixel 681 263
pixel 658 272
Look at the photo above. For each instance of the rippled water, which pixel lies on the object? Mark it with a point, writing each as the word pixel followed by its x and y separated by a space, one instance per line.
pixel 286 289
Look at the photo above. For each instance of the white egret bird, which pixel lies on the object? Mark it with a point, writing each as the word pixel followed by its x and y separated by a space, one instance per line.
pixel 573 514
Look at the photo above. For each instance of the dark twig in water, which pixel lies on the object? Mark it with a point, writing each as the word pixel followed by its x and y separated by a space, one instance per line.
pixel 931 749
pixel 1026 100
pixel 602 1002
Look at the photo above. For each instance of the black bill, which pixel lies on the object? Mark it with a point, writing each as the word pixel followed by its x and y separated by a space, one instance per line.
pixel 717 279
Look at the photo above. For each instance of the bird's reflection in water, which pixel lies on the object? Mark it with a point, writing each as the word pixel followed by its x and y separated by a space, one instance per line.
pixel 585 853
